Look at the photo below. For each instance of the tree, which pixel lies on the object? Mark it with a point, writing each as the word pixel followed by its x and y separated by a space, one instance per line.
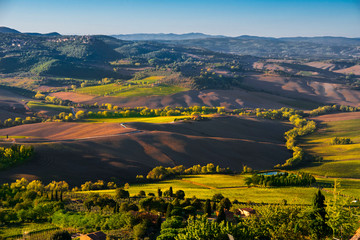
pixel 80 115
pixel 225 203
pixel 168 210
pixel 180 194
pixel 318 226
pixel 207 208
pixel 159 192
pixel 217 197
pixel 214 206
pixel 121 193
pixel 171 194
pixel 340 217
pixel 61 235
pixel 222 216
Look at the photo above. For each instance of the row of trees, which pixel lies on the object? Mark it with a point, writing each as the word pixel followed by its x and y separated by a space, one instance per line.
pixel 116 112
pixel 160 172
pixel 53 100
pixel 302 127
pixel 19 121
pixel 281 179
pixel 334 108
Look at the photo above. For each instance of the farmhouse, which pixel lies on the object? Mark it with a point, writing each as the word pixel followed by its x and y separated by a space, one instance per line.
pixel 94 236
pixel 357 235
pixel 245 212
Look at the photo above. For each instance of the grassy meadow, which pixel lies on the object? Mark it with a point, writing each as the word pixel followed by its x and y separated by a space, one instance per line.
pixel 39 106
pixel 136 88
pixel 231 186
pixel 339 160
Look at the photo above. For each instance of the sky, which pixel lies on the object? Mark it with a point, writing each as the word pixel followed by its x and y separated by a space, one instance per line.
pixel 277 18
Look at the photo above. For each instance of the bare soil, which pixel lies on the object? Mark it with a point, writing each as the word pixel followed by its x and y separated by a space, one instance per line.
pixel 227 141
pixel 338 117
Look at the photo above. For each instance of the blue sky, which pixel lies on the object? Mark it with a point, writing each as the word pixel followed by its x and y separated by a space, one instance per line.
pixel 224 17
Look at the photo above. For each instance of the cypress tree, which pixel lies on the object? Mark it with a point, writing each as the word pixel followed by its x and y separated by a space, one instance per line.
pixel 168 210
pixel 318 226
pixel 214 206
pixel 221 217
pixel 171 192
pixel 159 192
pixel 207 208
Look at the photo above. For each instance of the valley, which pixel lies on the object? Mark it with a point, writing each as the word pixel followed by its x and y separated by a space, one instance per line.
pixel 142 136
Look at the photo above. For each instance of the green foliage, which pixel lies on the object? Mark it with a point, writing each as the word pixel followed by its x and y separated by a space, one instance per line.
pixel 14 155
pixel 341 141
pixel 224 204
pixel 281 179
pixel 341 218
pixel 139 230
pixel 160 173
pixel 61 235
pixel 331 109
pixel 200 228
pixel 121 193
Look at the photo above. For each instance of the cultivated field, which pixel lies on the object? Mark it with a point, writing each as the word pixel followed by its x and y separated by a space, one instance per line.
pixel 162 119
pixel 111 151
pixel 339 160
pixel 12 105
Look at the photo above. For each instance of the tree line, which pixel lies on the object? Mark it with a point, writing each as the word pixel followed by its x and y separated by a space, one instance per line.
pixel 281 179
pixel 160 172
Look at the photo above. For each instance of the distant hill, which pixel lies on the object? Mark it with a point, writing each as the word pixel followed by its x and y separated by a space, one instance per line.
pixel 296 47
pixel 163 36
pixel 44 34
pixel 8 30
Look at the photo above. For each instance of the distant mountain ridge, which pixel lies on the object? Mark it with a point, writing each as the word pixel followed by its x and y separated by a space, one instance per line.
pixel 8 30
pixel 164 36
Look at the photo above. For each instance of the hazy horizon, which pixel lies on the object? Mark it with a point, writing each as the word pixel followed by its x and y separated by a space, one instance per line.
pixel 279 18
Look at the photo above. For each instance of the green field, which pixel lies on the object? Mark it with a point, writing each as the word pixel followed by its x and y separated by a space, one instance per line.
pixel 231 186
pixel 131 90
pixel 339 160
pixel 162 119
pixel 16 137
pixel 39 106
pixel 148 80
pixel 347 187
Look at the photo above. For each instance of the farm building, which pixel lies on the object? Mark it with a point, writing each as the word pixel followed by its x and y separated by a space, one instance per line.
pixel 94 236
pixel 245 212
